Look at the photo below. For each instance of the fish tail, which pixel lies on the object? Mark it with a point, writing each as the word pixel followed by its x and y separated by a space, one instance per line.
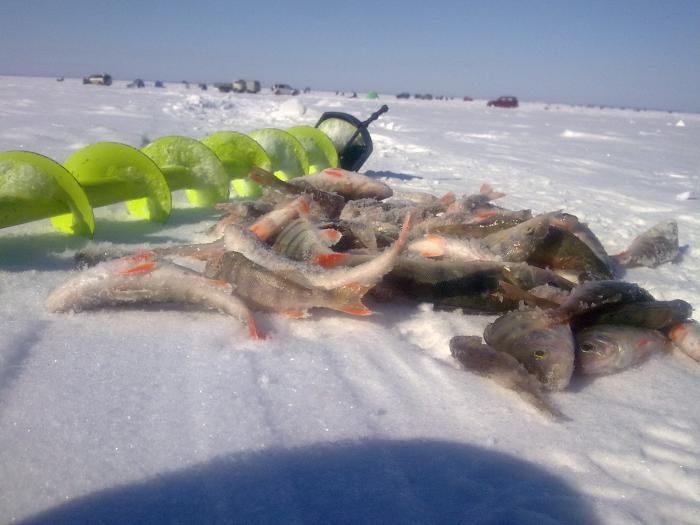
pixel 349 299
pixel 487 190
pixel 448 198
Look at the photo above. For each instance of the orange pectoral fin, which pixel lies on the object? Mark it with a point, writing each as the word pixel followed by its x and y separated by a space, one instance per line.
pixel 448 198
pixel 678 333
pixel 253 332
pixel 329 260
pixel 359 309
pixel 261 230
pixel 331 236
pixel 436 246
pixel 139 268
pixel 485 215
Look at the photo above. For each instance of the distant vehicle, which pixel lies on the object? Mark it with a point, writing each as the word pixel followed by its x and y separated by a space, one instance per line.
pixel 224 87
pixel 202 86
pixel 238 86
pixel 403 95
pixel 252 86
pixel 59 79
pixel 284 89
pixel 503 102
pixel 98 80
pixel 138 83
pixel 427 96
pixel 468 99
pixel 158 83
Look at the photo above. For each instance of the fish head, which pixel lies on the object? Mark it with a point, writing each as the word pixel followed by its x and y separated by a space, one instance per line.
pixel 564 221
pixel 548 353
pixel 518 242
pixel 596 353
pixel 529 234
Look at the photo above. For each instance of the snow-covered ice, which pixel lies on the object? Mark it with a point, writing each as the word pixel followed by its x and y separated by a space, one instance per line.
pixel 173 415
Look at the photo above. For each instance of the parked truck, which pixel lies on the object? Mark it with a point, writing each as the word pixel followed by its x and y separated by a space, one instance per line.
pixel 252 86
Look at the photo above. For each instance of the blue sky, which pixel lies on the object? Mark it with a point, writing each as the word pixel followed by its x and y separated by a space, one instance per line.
pixel 617 52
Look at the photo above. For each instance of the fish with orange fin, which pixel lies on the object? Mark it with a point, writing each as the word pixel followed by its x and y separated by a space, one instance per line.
pixel 144 279
pixel 434 245
pixel 655 315
pixel 263 289
pixel 312 276
pixel 593 295
pixel 572 224
pixel 469 203
pixel 238 212
pixel 473 225
pixel 422 198
pixel 503 369
pixel 350 185
pixel 607 349
pixel 302 241
pixel 654 247
pixel 331 203
pixel 571 249
pixel 272 223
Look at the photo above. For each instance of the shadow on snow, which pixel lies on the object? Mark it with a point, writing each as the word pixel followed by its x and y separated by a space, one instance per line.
pixel 21 250
pixel 391 175
pixel 373 481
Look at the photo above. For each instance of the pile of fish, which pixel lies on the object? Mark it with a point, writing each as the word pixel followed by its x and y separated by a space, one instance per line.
pixel 327 239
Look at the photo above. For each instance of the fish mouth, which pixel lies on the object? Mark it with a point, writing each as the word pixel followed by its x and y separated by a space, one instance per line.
pixel 558 377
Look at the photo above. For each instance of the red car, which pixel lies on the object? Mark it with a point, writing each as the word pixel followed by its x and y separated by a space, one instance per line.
pixel 504 102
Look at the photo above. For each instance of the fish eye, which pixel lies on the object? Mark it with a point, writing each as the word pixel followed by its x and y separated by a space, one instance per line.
pixel 587 347
pixel 539 354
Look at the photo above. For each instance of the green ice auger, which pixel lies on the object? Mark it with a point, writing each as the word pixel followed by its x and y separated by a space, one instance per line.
pixel 34 187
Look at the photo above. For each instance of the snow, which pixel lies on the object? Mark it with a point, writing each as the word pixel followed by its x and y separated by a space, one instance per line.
pixel 172 415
